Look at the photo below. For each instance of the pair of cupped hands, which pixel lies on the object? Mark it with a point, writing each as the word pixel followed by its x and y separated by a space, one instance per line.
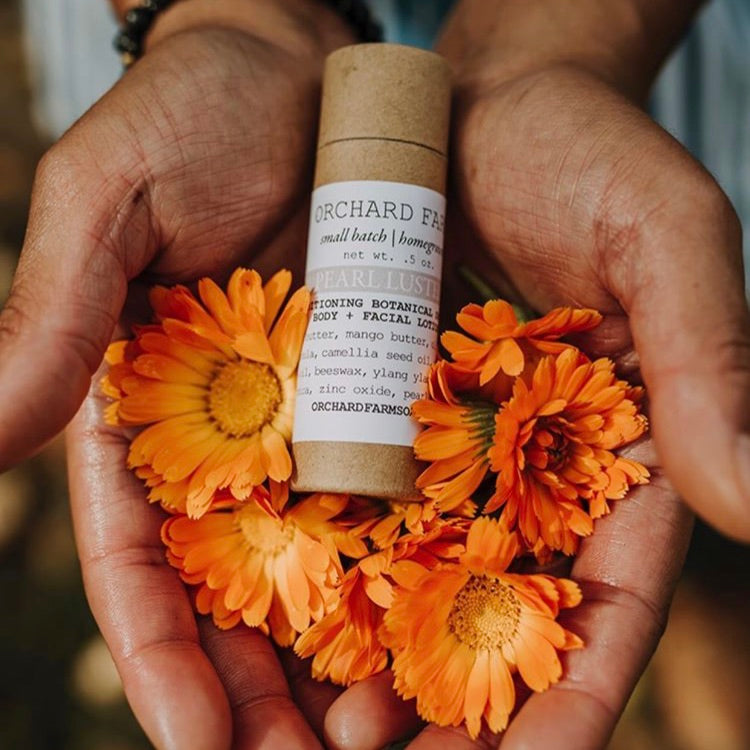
pixel 200 159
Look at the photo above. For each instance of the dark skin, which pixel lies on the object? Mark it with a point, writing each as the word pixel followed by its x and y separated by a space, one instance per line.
pixel 200 159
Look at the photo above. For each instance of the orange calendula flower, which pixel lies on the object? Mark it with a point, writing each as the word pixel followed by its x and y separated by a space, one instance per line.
pixel 501 343
pixel 215 381
pixel 393 519
pixel 459 433
pixel 344 644
pixel 458 632
pixel 260 562
pixel 412 517
pixel 553 449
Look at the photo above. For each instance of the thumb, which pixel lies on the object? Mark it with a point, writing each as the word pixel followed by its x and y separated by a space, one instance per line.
pixel 691 328
pixel 66 297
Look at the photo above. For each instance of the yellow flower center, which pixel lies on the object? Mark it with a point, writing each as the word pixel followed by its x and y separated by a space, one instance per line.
pixel 485 613
pixel 263 532
pixel 243 397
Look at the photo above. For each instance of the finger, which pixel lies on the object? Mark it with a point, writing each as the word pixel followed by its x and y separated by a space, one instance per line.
pixel 138 601
pixel 455 738
pixel 313 697
pixel 627 570
pixel 683 287
pixel 265 716
pixel 369 715
pixel 67 293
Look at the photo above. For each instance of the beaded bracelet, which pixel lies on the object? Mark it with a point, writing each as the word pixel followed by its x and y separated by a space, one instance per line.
pixel 138 20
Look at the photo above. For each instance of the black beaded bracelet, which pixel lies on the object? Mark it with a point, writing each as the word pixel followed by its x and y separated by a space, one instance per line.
pixel 138 20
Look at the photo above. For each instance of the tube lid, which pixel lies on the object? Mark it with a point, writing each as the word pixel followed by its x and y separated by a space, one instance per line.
pixel 386 92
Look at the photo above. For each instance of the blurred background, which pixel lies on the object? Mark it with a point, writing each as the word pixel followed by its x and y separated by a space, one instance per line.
pixel 58 687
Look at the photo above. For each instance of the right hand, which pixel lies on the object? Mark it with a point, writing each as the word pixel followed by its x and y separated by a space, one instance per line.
pixel 581 200
pixel 191 165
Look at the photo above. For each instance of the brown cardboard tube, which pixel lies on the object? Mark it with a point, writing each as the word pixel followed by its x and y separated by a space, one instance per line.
pixel 384 116
pixel 386 92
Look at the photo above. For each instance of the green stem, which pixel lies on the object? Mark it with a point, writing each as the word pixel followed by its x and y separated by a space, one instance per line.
pixel 487 293
pixel 480 286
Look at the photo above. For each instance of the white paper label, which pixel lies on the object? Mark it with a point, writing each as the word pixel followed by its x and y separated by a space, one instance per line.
pixel 374 260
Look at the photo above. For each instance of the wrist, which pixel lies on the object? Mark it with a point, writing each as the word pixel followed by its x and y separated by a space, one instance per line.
pixel 623 42
pixel 302 27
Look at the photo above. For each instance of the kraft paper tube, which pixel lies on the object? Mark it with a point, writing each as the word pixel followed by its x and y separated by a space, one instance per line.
pixel 384 117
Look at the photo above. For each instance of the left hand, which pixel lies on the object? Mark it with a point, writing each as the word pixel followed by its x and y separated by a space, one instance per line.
pixel 196 161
